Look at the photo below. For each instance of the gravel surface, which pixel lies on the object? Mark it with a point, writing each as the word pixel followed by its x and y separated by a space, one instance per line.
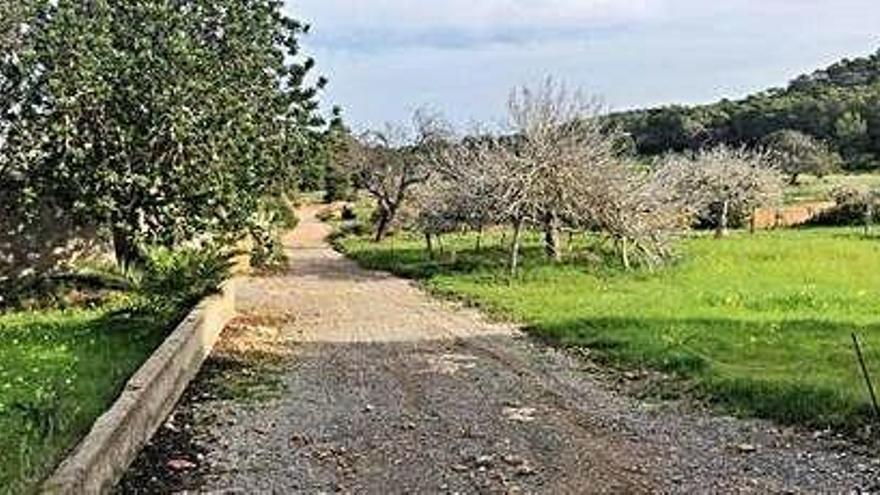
pixel 385 390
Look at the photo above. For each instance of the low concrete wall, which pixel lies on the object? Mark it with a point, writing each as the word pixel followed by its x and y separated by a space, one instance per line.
pixel 789 216
pixel 117 437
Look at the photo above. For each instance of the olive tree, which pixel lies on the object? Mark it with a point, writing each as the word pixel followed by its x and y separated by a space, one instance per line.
pixel 797 153
pixel 719 182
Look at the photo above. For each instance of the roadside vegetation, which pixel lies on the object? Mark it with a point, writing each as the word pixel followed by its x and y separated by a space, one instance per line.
pixel 63 362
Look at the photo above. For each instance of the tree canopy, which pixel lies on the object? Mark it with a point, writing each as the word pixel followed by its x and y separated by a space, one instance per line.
pixel 797 153
pixel 158 120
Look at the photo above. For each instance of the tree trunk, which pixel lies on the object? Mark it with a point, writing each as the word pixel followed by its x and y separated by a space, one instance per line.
pixel 753 221
pixel 480 238
pixel 429 243
pixel 723 220
pixel 624 253
pixel 514 247
pixel 869 218
pixel 383 226
pixel 551 237
pixel 125 249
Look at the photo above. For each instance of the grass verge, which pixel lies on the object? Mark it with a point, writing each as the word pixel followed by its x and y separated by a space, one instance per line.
pixel 59 370
pixel 760 324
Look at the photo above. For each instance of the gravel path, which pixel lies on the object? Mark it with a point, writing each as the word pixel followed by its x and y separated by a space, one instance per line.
pixel 386 390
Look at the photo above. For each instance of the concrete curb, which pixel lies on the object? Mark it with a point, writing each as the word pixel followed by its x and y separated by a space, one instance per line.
pixel 116 438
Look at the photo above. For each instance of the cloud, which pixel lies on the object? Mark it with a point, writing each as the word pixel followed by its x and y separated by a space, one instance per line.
pixel 360 24
pixel 472 14
pixel 385 57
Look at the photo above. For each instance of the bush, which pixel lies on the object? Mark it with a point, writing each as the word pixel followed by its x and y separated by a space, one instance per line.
pixel 281 210
pixel 348 213
pixel 267 252
pixel 337 185
pixel 178 278
pixel 274 215
pixel 356 229
pixel 854 206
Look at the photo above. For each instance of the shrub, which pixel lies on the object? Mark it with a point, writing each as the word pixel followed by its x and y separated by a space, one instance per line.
pixel 177 278
pixel 274 215
pixel 337 185
pixel 267 251
pixel 855 206
pixel 281 210
pixel 348 213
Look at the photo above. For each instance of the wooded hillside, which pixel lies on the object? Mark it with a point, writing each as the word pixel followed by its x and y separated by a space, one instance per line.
pixel 839 105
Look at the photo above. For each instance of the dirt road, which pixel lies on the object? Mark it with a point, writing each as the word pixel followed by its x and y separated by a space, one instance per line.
pixel 386 390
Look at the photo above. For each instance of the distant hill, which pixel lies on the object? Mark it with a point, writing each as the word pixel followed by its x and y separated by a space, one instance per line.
pixel 839 104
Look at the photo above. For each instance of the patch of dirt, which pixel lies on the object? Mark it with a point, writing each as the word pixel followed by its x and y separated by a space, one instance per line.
pixel 244 368
pixel 173 459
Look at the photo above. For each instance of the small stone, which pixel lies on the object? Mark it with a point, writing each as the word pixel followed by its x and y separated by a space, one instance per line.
pixel 369 408
pixel 525 470
pixel 299 440
pixel 514 460
pixel 484 461
pixel 459 468
pixel 180 465
pixel 746 448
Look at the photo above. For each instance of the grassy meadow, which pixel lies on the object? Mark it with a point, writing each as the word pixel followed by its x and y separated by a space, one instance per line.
pixel 60 370
pixel 759 325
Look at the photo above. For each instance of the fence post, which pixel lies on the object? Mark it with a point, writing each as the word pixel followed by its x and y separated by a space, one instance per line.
pixel 867 375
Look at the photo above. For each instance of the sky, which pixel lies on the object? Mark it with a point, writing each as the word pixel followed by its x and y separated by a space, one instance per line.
pixel 386 58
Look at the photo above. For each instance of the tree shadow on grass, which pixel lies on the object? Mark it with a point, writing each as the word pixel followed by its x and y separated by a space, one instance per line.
pixel 417 264
pixel 791 371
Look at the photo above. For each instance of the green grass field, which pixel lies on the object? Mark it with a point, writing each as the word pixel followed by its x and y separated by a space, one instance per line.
pixel 760 325
pixel 810 189
pixel 59 371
